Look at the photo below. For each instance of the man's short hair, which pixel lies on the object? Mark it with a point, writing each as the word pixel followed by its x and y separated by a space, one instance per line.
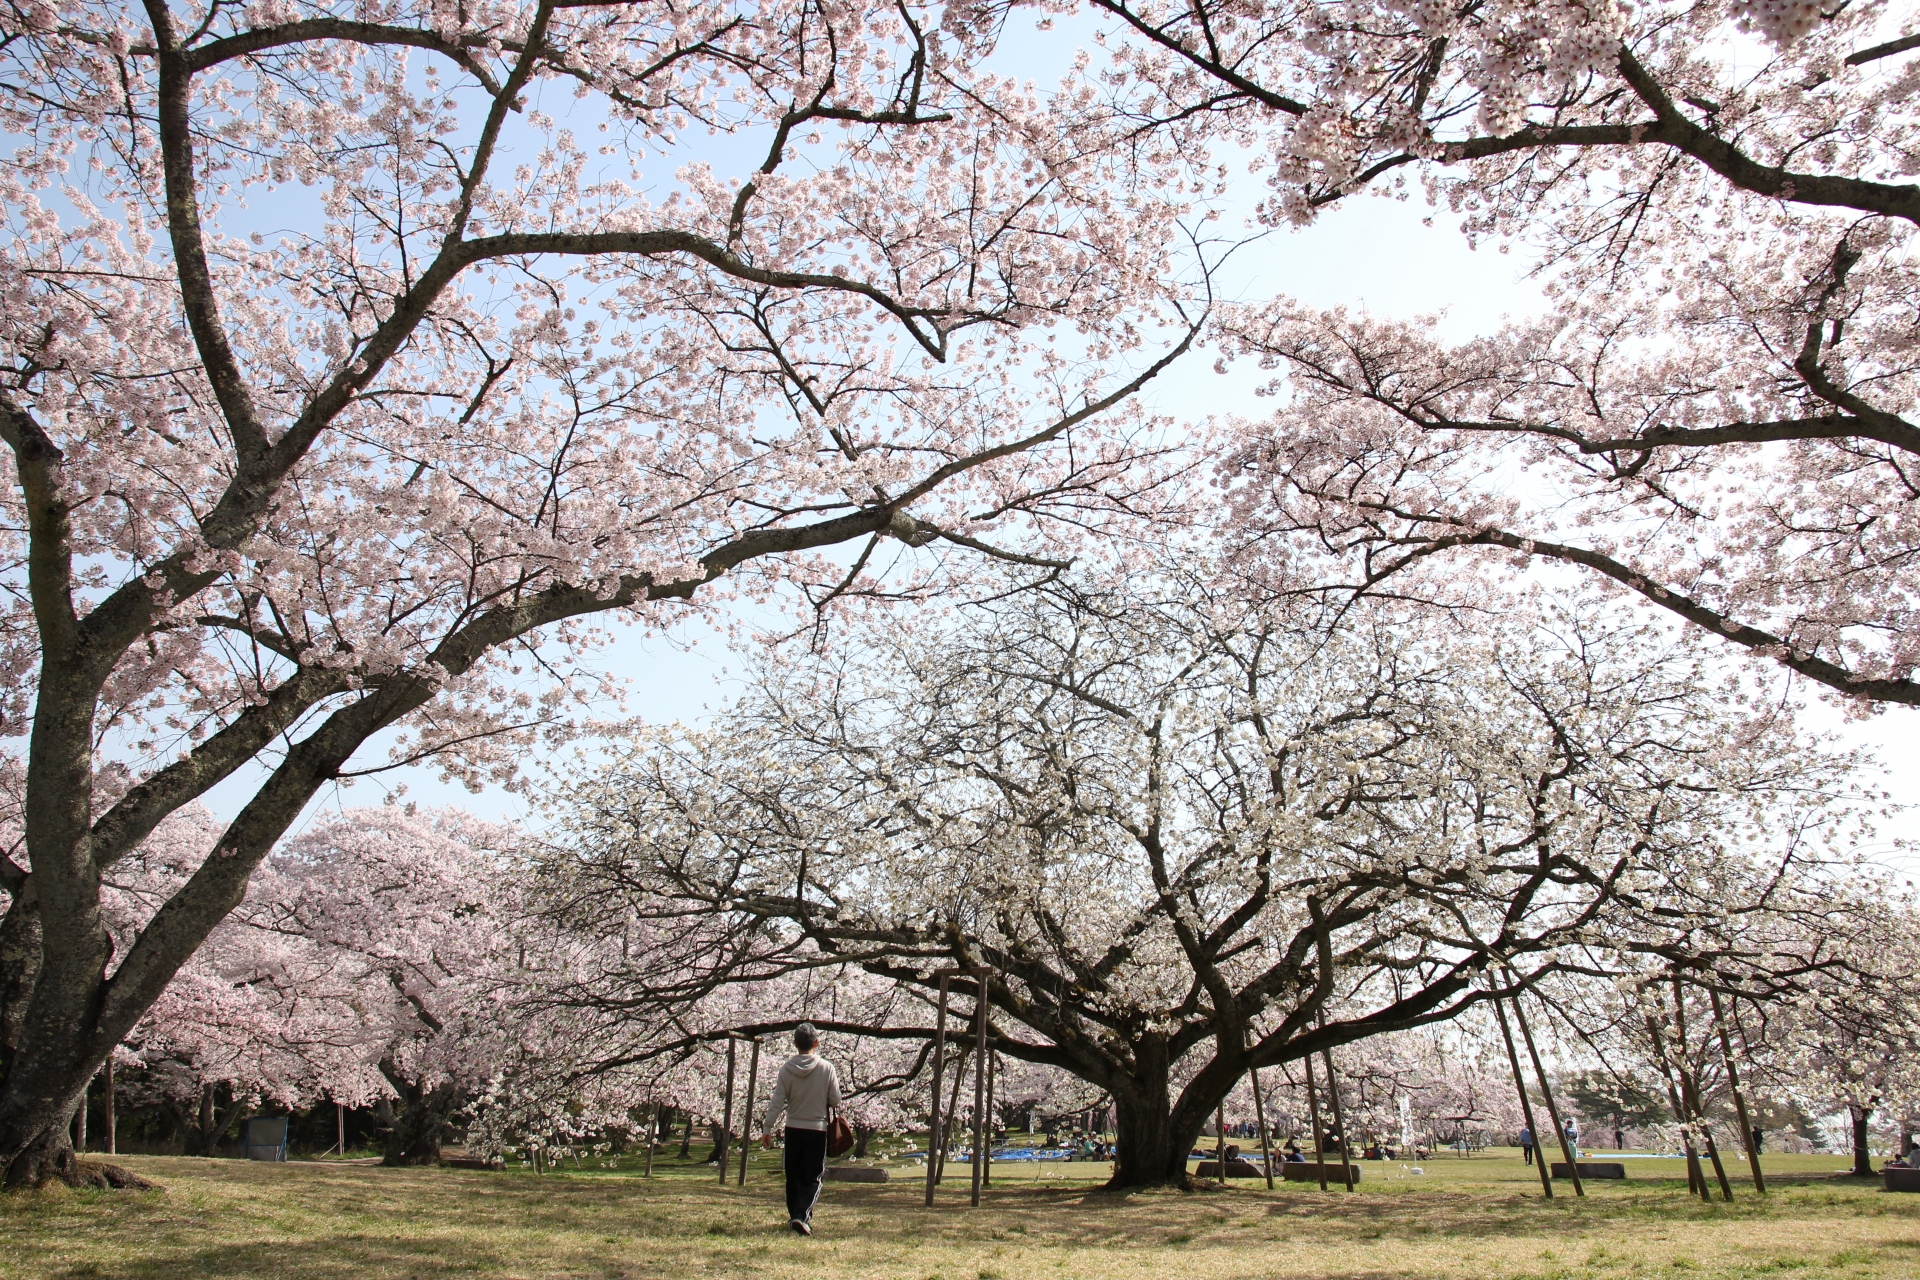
pixel 805 1037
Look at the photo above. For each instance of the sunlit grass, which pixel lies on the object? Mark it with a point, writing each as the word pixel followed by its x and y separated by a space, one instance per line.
pixel 1476 1219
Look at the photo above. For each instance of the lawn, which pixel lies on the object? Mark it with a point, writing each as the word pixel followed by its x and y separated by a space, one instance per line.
pixel 1475 1219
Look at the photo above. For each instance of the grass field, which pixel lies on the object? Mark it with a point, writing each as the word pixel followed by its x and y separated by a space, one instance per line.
pixel 1474 1219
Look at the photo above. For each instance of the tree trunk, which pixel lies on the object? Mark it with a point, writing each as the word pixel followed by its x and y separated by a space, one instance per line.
pixel 19 969
pixel 1150 1142
pixel 862 1135
pixel 1862 1161
pixel 418 1121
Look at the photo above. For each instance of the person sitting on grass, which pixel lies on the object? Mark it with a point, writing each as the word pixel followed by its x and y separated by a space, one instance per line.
pixel 808 1091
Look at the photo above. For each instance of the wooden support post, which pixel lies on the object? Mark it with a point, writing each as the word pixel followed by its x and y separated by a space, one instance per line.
pixel 112 1133
pixel 726 1117
pixel 80 1118
pixel 653 1135
pixel 1690 1092
pixel 1339 1116
pixel 1526 1103
pixel 1546 1094
pixel 1313 1113
pixel 933 1120
pixel 1733 1085
pixel 1260 1119
pixel 1696 1180
pixel 746 1118
pixel 951 1119
pixel 993 1078
pixel 978 1166
pixel 1220 1143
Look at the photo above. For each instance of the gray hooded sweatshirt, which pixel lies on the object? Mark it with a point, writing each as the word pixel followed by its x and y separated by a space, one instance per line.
pixel 807 1090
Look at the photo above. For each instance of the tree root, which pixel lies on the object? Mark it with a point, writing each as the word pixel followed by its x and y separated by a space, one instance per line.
pixel 108 1177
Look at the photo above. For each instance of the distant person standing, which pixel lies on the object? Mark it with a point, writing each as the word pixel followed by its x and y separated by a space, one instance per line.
pixel 808 1092
pixel 1526 1145
pixel 1572 1134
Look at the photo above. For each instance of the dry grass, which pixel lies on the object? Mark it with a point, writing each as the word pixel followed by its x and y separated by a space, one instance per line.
pixel 1472 1220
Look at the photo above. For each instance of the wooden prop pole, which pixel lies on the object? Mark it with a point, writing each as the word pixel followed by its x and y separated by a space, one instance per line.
pixel 1526 1103
pixel 1313 1112
pixel 1220 1143
pixel 80 1119
pixel 1696 1180
pixel 746 1118
pixel 1546 1094
pixel 1339 1117
pixel 953 1109
pixel 1726 1055
pixel 1260 1119
pixel 112 1145
pixel 979 1166
pixel 726 1117
pixel 986 1157
pixel 933 1120
pixel 653 1135
pixel 1690 1090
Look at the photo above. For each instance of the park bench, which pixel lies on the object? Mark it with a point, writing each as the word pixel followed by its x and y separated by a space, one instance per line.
pixel 1902 1179
pixel 1594 1169
pixel 1310 1172
pixel 856 1173
pixel 266 1138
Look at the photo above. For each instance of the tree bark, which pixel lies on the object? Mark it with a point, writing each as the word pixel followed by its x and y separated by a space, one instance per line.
pixel 418 1120
pixel 1862 1161
pixel 1151 1139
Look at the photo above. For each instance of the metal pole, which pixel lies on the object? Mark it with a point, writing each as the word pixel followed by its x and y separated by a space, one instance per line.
pixel 1726 1052
pixel 1526 1103
pixel 1339 1117
pixel 1691 1092
pixel 1313 1110
pixel 746 1119
pixel 1546 1094
pixel 653 1136
pixel 1260 1118
pixel 726 1118
pixel 933 1120
pixel 978 1170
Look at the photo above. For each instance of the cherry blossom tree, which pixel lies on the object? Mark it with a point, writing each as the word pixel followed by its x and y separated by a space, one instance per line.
pixel 356 363
pixel 1714 410
pixel 1192 833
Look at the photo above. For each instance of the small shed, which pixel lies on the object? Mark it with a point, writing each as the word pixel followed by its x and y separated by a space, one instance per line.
pixel 266 1138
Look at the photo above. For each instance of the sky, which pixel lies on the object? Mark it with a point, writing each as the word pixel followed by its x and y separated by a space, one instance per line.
pixel 1395 258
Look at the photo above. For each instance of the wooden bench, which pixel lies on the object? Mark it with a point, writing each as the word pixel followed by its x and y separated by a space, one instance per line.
pixel 1310 1172
pixel 856 1173
pixel 1595 1169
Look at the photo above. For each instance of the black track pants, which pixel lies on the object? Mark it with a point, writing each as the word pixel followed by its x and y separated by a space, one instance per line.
pixel 806 1165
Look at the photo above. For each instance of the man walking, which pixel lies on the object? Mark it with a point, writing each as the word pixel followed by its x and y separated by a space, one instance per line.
pixel 808 1091
pixel 1526 1145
